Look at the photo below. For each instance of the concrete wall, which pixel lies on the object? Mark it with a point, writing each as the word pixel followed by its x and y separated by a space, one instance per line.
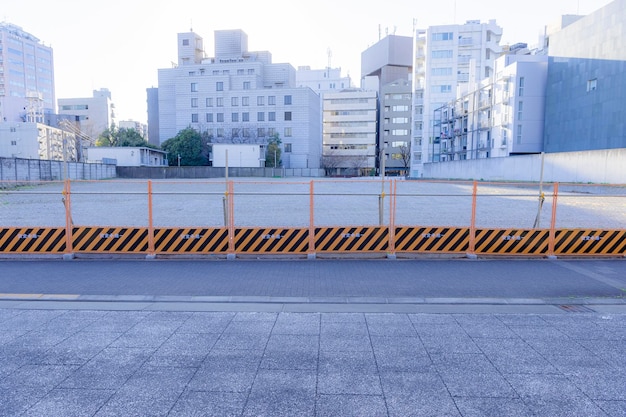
pixel 28 170
pixel 214 172
pixel 602 166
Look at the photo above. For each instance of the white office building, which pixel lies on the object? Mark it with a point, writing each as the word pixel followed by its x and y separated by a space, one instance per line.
pixel 449 60
pixel 26 76
pixel 322 80
pixel 350 132
pixel 92 114
pixel 238 96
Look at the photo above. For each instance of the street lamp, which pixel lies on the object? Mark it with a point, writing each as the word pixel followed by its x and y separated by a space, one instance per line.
pixel 178 160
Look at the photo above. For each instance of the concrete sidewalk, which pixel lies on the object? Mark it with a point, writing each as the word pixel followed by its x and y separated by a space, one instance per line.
pixel 137 362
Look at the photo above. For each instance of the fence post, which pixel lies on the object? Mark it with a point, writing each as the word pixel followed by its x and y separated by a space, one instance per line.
pixel 231 221
pixel 552 237
pixel 393 188
pixel 151 250
pixel 472 236
pixel 69 249
pixel 311 254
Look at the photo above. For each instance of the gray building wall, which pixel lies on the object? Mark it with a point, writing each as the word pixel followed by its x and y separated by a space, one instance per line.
pixel 585 107
pixel 153 116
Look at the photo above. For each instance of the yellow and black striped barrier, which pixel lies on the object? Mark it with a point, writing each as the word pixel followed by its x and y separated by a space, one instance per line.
pixel 271 240
pixel 191 240
pixel 590 242
pixel 32 240
pixel 110 239
pixel 512 241
pixel 351 239
pixel 432 239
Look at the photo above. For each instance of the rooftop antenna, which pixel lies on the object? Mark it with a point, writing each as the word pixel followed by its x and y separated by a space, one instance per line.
pixel 379 31
pixel 414 25
pixel 330 55
pixel 190 25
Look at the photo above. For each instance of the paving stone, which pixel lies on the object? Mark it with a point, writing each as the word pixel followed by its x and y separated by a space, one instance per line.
pixel 297 323
pixel 183 350
pixel 282 393
pixel 18 398
pixel 44 377
pixel 70 403
pixel 350 405
pixel 481 407
pixel 209 404
pixel 348 373
pixel 477 384
pixel 242 341
pixel 349 328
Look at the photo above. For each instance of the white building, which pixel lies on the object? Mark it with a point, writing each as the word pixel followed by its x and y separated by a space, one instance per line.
pixel 26 76
pixel 93 114
pixel 502 116
pixel 350 132
pixel 448 60
pixel 127 156
pixel 30 140
pixel 238 96
pixel 322 80
pixel 141 128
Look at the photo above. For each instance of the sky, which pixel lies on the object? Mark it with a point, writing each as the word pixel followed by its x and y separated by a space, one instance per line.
pixel 121 44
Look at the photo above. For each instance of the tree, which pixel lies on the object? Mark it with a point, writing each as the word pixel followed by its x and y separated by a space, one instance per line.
pixel 121 137
pixel 405 157
pixel 188 144
pixel 272 153
pixel 330 162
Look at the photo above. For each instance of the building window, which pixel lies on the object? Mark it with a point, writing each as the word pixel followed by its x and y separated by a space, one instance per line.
pixel 271 131
pixel 194 102
pixel 271 116
pixel 245 117
pixel 444 54
pixel 216 72
pixel 209 117
pixel 185 42
pixel 520 91
pixel 260 132
pixel 220 132
pixel 250 71
pixel 287 100
pixel 245 132
pixel 260 101
pixel 234 101
pixel 443 36
pixel 219 86
pixel 287 116
pixel 194 118
pixel 220 117
pixel 194 87
pixel 234 117
pixel 271 100
pixel 240 72
pixel 13 143
pixel 520 108
pixel 400 108
pixel 246 85
pixel 219 101
pixel 287 132
pixel 226 72
pixel 245 101
pixel 519 134
pixel 209 102
pixel 287 147
pixel 400 120
pixel 399 132
pixel 592 85
pixel 260 116
pixel 235 132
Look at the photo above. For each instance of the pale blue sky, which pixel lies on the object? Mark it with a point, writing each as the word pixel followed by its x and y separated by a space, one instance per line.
pixel 119 45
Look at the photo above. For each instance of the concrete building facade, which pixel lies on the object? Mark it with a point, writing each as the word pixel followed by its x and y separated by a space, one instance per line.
pixel 586 86
pixel 322 80
pixel 32 140
pixel 238 96
pixel 390 60
pixel 93 114
pixel 26 76
pixel 502 116
pixel 449 59
pixel 350 132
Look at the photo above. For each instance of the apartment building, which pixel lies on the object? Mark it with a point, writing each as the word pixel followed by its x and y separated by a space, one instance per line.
pixel 26 76
pixel 448 60
pixel 350 132
pixel 322 80
pixel 237 96
pixel 501 116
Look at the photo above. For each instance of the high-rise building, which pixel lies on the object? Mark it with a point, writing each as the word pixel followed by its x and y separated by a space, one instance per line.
pixel 237 96
pixel 26 76
pixel 390 61
pixel 449 60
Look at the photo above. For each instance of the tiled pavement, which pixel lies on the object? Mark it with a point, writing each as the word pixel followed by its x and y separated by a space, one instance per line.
pixel 61 362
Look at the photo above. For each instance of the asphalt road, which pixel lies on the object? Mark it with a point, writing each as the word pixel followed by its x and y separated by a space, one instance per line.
pixel 331 279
